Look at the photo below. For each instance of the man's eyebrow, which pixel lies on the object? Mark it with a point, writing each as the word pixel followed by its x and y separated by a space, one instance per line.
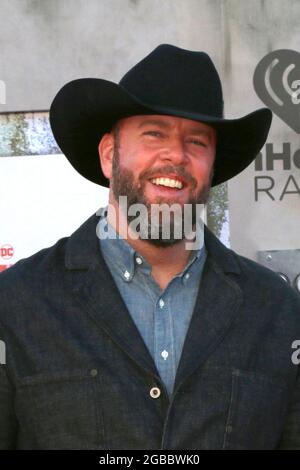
pixel 154 122
pixel 165 125
pixel 200 132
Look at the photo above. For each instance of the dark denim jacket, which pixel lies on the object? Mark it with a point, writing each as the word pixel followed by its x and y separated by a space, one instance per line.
pixel 79 376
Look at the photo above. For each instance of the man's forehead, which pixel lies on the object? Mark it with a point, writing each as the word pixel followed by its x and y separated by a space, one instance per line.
pixel 165 121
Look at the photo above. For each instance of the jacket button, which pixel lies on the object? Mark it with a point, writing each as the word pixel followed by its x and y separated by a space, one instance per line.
pixel 154 392
pixel 93 372
pixel 229 429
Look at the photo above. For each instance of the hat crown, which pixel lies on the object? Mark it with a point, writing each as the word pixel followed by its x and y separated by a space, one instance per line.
pixel 174 78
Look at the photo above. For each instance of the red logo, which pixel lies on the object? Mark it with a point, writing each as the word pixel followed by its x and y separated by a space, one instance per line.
pixel 6 251
pixel 4 266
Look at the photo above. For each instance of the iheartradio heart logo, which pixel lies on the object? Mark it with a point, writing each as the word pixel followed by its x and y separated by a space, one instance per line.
pixel 276 81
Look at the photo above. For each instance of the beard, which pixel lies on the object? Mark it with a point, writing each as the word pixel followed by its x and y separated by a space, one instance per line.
pixel 123 183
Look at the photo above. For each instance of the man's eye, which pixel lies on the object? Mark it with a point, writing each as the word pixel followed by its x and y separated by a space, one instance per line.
pixel 153 133
pixel 197 142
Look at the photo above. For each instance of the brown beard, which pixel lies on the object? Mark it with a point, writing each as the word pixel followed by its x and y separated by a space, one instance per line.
pixel 123 184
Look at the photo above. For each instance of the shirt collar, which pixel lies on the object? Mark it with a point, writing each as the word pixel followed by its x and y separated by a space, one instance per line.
pixel 127 260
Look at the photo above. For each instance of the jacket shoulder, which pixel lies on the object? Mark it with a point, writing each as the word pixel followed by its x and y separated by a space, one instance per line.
pixel 264 280
pixel 27 269
pixel 34 278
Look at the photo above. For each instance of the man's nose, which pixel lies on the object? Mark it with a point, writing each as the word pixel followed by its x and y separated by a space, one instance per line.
pixel 174 151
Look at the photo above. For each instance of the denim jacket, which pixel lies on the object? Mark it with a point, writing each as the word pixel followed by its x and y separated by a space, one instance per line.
pixel 78 374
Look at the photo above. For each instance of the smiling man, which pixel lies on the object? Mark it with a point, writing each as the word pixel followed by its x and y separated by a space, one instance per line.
pixel 119 337
pixel 155 160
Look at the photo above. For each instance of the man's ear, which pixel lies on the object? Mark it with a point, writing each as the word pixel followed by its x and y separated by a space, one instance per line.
pixel 106 151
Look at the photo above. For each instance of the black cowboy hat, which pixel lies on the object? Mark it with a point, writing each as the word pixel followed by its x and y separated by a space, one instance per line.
pixel 169 80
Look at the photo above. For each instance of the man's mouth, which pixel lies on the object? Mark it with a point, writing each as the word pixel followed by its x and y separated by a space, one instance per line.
pixel 168 182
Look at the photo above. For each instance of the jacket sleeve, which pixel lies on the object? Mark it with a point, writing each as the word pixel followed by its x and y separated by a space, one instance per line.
pixel 8 422
pixel 291 433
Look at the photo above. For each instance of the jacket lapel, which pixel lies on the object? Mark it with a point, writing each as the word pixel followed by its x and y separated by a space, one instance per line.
pixel 216 307
pixel 97 294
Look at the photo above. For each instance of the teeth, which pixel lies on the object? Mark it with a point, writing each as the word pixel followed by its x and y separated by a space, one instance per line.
pixel 171 183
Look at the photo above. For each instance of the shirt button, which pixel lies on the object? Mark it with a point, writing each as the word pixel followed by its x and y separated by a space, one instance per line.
pixel 126 275
pixel 154 392
pixel 187 276
pixel 138 260
pixel 161 303
pixel 164 354
pixel 93 372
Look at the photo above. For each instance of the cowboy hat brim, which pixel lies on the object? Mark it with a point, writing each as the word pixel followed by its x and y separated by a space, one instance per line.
pixel 85 109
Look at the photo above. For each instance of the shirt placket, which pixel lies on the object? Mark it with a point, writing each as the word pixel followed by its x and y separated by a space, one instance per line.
pixel 164 350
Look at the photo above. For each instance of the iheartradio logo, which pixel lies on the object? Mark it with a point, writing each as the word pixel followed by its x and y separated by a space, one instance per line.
pixel 276 81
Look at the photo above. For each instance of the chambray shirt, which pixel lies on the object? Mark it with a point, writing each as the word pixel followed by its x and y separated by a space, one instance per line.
pixel 162 316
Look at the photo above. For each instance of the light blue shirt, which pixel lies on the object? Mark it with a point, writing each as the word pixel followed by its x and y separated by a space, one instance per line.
pixel 162 316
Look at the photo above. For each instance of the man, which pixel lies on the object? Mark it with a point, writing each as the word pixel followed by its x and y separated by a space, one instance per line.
pixel 117 339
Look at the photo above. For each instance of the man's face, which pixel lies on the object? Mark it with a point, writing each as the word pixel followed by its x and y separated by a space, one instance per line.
pixel 148 148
